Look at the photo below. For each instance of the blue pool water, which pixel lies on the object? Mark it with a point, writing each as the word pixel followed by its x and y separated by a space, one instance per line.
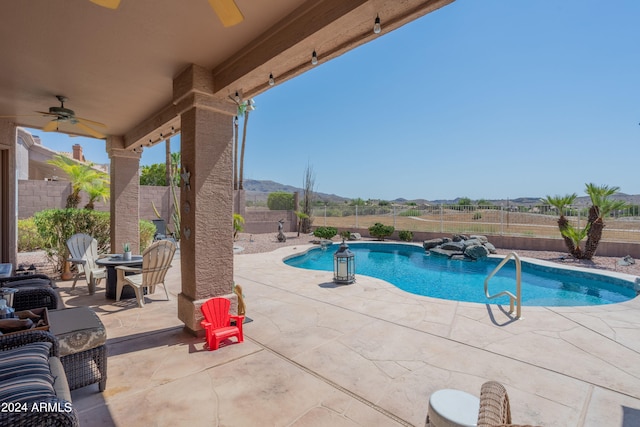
pixel 412 269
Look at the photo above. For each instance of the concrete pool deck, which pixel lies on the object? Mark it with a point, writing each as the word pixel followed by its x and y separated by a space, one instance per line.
pixel 366 354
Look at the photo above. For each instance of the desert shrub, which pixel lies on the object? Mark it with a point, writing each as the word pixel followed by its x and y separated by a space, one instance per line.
pixel 280 201
pixel 325 232
pixel 28 237
pixel 477 216
pixel 381 231
pixel 147 231
pixel 405 236
pixel 55 226
pixel 345 234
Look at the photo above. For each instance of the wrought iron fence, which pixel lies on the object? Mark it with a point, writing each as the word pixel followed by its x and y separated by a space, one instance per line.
pixel 529 221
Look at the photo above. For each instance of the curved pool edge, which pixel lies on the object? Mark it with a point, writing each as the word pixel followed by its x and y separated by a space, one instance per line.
pixel 631 281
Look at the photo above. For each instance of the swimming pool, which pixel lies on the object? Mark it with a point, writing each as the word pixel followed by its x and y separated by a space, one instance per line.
pixel 411 268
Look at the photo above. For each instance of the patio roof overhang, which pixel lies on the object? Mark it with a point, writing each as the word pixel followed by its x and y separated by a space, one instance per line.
pixel 117 67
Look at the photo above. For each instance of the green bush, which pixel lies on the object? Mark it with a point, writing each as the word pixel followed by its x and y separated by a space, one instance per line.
pixel 28 237
pixel 477 216
pixel 55 226
pixel 280 201
pixel 325 232
pixel 381 231
pixel 147 231
pixel 405 236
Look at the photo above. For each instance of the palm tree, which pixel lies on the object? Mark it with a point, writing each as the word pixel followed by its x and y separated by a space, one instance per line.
pixel 243 110
pixel 560 203
pixel 99 189
pixel 79 174
pixel 601 206
pixel 576 237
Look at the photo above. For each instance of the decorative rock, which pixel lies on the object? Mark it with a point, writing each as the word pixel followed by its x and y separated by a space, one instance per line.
pixel 443 252
pixel 471 242
pixel 428 244
pixel 462 247
pixel 483 239
pixel 355 236
pixel 453 246
pixel 476 251
pixel 627 260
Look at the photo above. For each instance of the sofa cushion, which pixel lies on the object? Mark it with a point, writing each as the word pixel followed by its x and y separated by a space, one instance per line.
pixel 25 389
pixel 25 373
pixel 60 385
pixel 28 360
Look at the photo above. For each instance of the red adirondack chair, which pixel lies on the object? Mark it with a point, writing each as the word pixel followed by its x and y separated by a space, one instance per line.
pixel 217 322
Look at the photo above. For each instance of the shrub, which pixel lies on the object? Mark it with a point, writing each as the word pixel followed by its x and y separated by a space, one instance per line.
pixel 28 237
pixel 381 231
pixel 147 231
pixel 55 226
pixel 345 234
pixel 325 232
pixel 405 236
pixel 477 216
pixel 280 201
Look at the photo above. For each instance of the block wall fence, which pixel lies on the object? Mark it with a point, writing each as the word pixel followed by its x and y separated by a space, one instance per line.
pixel 34 196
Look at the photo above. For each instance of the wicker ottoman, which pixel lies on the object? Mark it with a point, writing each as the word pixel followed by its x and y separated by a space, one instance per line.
pixel 83 349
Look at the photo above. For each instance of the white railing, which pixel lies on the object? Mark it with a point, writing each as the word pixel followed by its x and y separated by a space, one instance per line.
pixel 517 298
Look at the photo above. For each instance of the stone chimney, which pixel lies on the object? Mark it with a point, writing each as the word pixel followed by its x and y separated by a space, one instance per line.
pixel 77 153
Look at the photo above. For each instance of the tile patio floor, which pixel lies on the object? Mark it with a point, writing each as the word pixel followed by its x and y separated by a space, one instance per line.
pixel 366 354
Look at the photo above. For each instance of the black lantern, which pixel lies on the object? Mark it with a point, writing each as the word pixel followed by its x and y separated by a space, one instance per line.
pixel 344 265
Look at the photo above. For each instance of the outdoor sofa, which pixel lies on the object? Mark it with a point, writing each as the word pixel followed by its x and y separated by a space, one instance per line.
pixel 33 386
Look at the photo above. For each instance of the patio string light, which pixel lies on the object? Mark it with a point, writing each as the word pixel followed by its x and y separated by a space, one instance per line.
pixel 272 81
pixel 376 25
pixel 314 58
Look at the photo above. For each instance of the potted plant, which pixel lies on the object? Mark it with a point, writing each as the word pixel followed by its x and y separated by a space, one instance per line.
pixel 126 252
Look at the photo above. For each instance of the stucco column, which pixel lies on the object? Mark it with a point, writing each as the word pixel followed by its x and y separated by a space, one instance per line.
pixel 8 194
pixel 124 195
pixel 206 195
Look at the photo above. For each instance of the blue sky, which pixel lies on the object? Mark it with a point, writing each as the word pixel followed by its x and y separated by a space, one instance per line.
pixel 481 99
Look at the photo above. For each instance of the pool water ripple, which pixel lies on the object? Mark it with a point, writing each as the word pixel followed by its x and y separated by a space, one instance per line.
pixel 411 268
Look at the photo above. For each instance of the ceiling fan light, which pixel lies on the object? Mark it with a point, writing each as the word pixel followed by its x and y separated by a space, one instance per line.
pixel 109 4
pixel 227 11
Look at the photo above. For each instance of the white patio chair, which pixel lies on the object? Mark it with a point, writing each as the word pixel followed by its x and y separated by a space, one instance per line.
pixel 84 253
pixel 156 261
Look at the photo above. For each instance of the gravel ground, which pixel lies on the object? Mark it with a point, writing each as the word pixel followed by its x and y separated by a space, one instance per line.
pixel 257 243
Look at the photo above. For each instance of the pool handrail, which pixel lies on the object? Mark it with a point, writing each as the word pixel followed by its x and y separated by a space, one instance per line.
pixel 518 297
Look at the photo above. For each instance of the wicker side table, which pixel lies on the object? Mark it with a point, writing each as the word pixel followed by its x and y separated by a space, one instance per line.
pixel 83 349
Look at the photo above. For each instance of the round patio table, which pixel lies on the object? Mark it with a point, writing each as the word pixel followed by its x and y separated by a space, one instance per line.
pixel 111 262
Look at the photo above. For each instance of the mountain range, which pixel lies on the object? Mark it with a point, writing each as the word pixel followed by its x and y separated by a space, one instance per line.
pixel 258 191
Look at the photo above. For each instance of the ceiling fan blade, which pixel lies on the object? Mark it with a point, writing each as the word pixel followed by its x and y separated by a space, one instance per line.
pixel 46 113
pixel 90 122
pixel 110 4
pixel 90 131
pixel 51 126
pixel 227 11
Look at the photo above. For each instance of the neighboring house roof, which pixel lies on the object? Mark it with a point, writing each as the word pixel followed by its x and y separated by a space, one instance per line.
pixel 38 156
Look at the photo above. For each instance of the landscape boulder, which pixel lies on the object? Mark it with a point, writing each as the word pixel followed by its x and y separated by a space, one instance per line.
pixel 460 247
pixel 355 236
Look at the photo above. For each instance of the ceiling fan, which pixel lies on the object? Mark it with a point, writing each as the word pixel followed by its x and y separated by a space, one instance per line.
pixel 227 10
pixel 61 114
